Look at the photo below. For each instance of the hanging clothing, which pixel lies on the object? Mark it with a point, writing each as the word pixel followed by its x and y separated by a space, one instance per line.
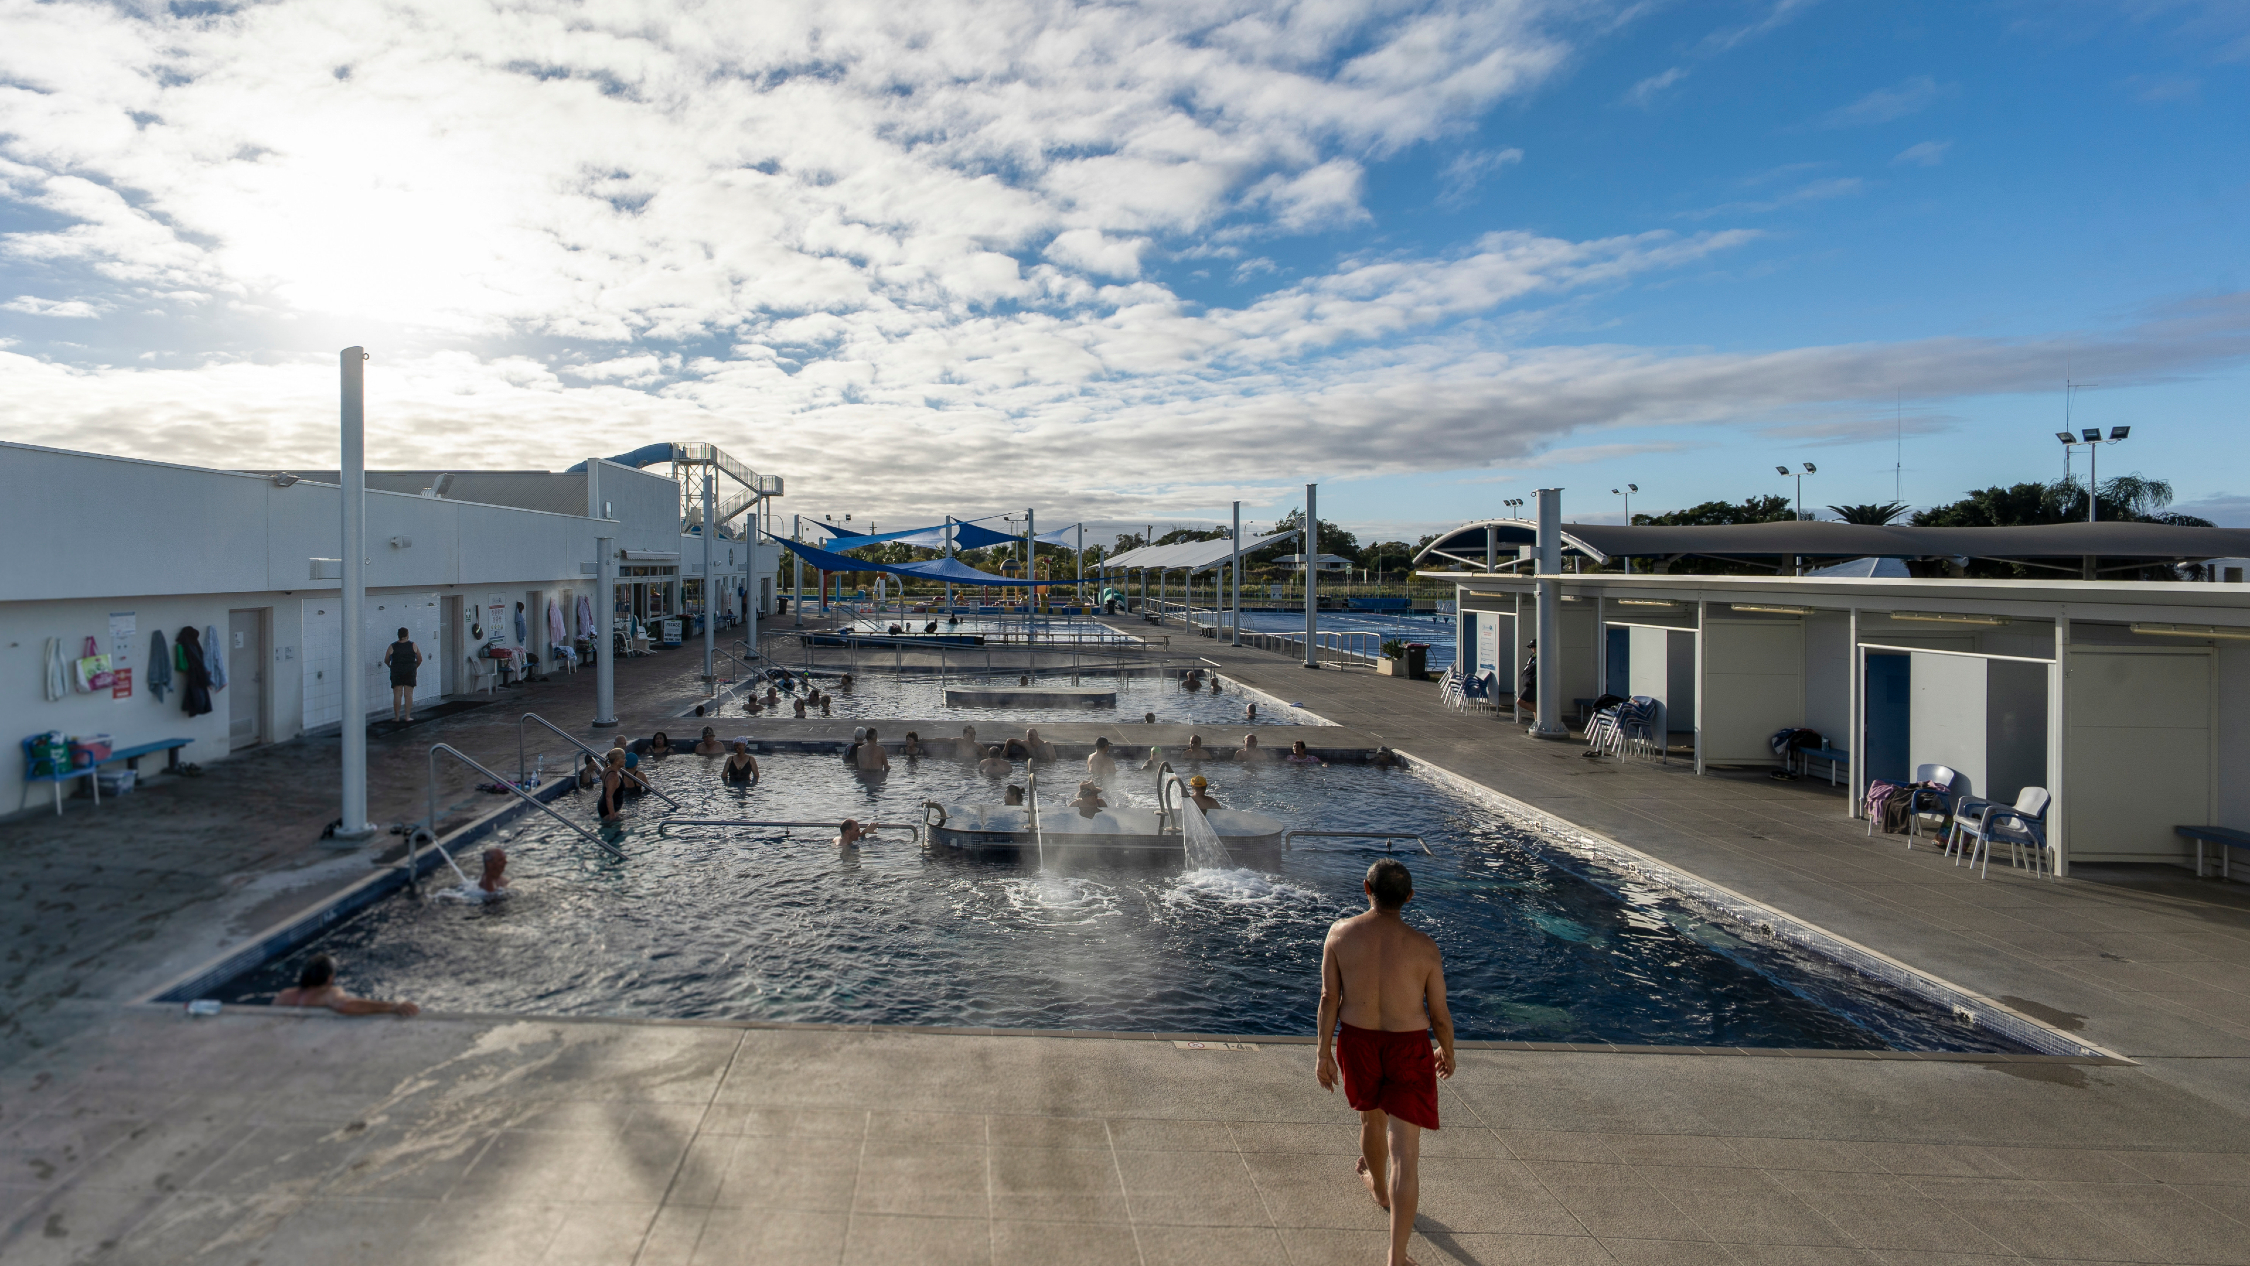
pixel 555 632
pixel 159 665
pixel 214 657
pixel 195 696
pixel 58 672
pixel 523 630
pixel 585 616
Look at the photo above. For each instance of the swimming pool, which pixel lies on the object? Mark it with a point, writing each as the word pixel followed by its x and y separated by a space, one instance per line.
pixel 1058 628
pixel 1440 631
pixel 763 924
pixel 879 693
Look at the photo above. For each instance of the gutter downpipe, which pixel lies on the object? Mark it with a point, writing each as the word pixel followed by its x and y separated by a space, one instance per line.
pixel 353 493
pixel 1547 712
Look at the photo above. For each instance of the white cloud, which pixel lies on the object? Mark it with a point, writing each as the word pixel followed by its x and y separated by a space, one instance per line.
pixel 1926 154
pixel 1910 96
pixel 33 305
pixel 1648 90
pixel 1462 174
pixel 1094 252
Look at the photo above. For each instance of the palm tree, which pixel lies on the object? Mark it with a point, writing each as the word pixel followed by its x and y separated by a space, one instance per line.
pixel 1872 515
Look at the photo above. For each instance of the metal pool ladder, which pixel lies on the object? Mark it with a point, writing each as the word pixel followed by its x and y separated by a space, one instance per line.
pixel 414 836
pixel 865 828
pixel 571 739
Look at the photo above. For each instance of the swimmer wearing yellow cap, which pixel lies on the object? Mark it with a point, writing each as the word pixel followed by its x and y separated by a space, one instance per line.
pixel 1199 790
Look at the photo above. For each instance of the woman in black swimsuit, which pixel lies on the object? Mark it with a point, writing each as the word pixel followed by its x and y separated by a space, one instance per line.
pixel 613 786
pixel 741 767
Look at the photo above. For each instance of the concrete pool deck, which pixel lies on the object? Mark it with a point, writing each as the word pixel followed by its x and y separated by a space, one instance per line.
pixel 135 1134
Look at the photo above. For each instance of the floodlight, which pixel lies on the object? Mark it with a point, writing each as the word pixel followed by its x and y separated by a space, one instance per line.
pixel 1632 487
pixel 2092 435
pixel 1781 470
pixel 1810 469
pixel 2066 437
pixel 2119 432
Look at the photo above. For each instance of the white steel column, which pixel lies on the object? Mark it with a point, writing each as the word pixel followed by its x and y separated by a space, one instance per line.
pixel 797 533
pixel 605 621
pixel 949 558
pixel 710 578
pixel 1234 576
pixel 1030 571
pixel 2058 747
pixel 1081 569
pixel 1547 711
pixel 1702 610
pixel 1855 760
pixel 750 573
pixel 1311 544
pixel 353 490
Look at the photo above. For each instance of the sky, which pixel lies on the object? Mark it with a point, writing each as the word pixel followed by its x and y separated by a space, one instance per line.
pixel 1136 261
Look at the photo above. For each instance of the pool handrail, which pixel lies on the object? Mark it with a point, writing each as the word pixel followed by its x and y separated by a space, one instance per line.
pixel 596 753
pixel 497 781
pixel 1385 836
pixel 1163 798
pixel 866 828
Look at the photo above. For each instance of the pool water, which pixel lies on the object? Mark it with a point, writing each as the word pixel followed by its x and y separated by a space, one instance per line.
pixel 879 693
pixel 770 924
pixel 1440 631
pixel 1052 627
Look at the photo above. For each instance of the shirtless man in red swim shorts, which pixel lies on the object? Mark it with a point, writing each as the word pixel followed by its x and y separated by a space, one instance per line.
pixel 1386 983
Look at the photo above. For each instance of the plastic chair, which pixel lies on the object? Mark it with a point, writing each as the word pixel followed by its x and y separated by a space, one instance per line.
pixel 1937 785
pixel 2020 827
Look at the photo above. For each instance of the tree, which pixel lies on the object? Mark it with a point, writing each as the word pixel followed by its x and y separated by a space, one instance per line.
pixel 1766 509
pixel 2126 499
pixel 1872 515
pixel 1333 540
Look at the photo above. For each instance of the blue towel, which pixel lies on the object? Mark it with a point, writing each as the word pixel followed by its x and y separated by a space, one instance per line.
pixel 159 666
pixel 214 657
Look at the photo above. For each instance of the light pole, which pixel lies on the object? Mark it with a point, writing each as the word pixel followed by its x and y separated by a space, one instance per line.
pixel 1627 492
pixel 1799 476
pixel 2091 437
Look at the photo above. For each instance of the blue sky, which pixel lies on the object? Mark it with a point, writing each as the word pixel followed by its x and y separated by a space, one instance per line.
pixel 1139 260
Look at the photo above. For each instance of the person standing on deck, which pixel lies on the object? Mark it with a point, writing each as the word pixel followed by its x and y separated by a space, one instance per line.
pixel 1101 766
pixel 403 658
pixel 1382 984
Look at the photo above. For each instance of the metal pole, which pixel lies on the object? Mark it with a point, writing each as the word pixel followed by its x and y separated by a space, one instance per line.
pixel 1547 712
pixel 710 577
pixel 1311 543
pixel 1082 567
pixel 797 533
pixel 750 591
pixel 1030 557
pixel 949 558
pixel 1234 575
pixel 353 490
pixel 605 621
pixel 1491 548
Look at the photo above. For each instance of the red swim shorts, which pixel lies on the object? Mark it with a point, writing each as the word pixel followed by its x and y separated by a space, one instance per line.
pixel 1396 1072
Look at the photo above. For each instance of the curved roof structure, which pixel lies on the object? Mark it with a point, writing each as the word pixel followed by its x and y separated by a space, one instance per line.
pixel 1762 542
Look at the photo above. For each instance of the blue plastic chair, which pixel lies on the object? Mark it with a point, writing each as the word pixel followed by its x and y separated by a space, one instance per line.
pixel 2019 827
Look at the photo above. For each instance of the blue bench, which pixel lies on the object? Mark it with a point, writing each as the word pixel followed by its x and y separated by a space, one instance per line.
pixel 2224 836
pixel 130 755
pixel 1838 760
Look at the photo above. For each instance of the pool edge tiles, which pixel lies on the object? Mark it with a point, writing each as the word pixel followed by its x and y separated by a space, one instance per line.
pixel 1758 917
pixel 295 931
pixel 1254 1041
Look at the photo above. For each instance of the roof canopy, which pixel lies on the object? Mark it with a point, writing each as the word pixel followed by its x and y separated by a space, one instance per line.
pixel 1188 555
pixel 1761 542
pixel 948 569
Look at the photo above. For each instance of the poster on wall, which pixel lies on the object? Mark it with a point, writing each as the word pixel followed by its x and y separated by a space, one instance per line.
pixel 1488 642
pixel 122 626
pixel 121 684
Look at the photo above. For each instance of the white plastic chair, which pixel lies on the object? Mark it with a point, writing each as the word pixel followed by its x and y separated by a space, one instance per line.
pixel 1942 783
pixel 2021 827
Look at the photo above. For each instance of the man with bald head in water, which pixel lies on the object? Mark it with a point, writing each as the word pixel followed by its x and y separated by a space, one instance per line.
pixel 1382 991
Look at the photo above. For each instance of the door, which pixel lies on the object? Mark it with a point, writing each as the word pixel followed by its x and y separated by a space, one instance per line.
pixel 246 679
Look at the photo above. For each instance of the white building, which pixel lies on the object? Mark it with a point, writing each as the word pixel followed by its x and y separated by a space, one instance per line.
pixel 117 550
pixel 2128 700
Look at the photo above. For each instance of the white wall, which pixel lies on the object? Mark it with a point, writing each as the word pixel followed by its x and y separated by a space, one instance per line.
pixel 2140 751
pixel 1946 720
pixel 1754 684
pixel 2233 664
